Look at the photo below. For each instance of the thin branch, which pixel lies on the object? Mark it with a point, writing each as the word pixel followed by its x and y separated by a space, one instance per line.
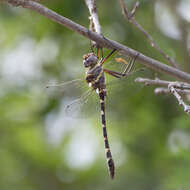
pixel 179 98
pixel 163 90
pixel 130 17
pixel 174 87
pixel 94 21
pixel 157 81
pixel 99 39
pixel 91 4
pixel 183 25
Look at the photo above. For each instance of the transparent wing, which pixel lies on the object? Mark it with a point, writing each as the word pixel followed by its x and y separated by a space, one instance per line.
pixel 126 84
pixel 66 92
pixel 74 94
pixel 71 89
pixel 127 66
pixel 76 108
pixel 118 62
pixel 64 84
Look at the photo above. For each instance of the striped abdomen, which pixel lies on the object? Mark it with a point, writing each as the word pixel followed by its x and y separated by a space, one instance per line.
pixel 110 161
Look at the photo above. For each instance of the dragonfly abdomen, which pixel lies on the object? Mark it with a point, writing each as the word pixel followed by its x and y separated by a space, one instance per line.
pixel 110 161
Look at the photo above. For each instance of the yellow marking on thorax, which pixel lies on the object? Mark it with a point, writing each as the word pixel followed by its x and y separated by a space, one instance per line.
pixel 98 77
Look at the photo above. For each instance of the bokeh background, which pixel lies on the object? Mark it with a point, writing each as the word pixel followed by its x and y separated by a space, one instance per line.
pixel 42 147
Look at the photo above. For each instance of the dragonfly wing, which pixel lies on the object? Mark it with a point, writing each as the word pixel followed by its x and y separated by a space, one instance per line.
pixel 71 88
pixel 76 108
pixel 68 93
pixel 64 85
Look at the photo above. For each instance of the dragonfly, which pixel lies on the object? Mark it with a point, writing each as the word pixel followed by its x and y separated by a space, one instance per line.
pixel 95 79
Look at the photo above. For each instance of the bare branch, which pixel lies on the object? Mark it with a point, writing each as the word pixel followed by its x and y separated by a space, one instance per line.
pixel 179 98
pixel 173 87
pixel 134 9
pixel 163 90
pixel 148 82
pixel 157 81
pixel 131 19
pixel 91 4
pixel 99 39
pixel 94 21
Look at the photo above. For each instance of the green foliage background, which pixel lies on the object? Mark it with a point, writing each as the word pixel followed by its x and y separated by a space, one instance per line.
pixel 149 134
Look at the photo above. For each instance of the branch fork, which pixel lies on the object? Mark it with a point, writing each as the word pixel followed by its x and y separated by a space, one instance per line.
pixel 130 17
pixel 179 98
pixel 175 88
pixel 94 20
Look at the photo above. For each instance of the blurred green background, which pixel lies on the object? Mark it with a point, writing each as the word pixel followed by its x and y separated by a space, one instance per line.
pixel 41 147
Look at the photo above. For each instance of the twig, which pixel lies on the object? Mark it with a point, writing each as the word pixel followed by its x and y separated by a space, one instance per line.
pixel 91 4
pixel 179 85
pixel 94 21
pixel 130 17
pixel 104 42
pixel 179 98
pixel 163 90
pixel 174 87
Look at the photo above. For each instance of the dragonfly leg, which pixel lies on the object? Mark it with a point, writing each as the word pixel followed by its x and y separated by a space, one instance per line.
pixel 102 53
pixel 129 67
pixel 98 52
pixel 114 73
pixel 126 72
pixel 107 57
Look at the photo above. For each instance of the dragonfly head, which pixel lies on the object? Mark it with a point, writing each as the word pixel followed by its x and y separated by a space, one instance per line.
pixel 90 60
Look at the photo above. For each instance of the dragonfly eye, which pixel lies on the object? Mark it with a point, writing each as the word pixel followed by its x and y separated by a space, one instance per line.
pixel 89 60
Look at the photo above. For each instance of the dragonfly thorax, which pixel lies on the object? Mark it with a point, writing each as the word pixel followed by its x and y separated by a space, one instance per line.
pixel 94 74
pixel 95 77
